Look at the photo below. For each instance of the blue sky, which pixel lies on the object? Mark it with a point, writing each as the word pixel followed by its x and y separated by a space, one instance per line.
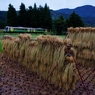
pixel 53 4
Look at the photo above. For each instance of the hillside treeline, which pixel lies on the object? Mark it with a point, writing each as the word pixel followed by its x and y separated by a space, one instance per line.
pixel 40 17
pixel 29 17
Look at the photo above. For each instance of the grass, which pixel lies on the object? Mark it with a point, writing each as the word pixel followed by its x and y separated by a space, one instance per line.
pixel 16 34
pixel 33 35
pixel 0 72
pixel 1 46
pixel 62 36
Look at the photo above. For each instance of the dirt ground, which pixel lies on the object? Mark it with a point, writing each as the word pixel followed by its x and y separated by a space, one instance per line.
pixel 16 80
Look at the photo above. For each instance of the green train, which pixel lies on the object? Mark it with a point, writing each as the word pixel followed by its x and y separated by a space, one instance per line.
pixel 23 29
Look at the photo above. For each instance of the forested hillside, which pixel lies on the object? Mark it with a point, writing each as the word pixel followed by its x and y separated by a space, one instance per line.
pixel 87 14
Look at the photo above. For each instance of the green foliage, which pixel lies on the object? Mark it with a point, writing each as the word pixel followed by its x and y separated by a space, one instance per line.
pixel 3 16
pixel 59 25
pixel 11 16
pixel 75 20
pixel 1 46
pixel 40 17
pixel 2 19
pixel 29 16
pixel 22 17
pixel 47 18
pixel 36 17
pixel 66 24
pixel 2 24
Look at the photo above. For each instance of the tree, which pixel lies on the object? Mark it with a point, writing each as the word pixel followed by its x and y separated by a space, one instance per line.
pixel 75 20
pixel 41 16
pixel 11 16
pixel 59 25
pixel 35 17
pixel 30 16
pixel 22 17
pixel 47 18
pixel 66 24
pixel 2 24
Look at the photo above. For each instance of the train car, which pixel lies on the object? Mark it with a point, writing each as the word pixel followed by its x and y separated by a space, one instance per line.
pixel 18 29
pixel 23 29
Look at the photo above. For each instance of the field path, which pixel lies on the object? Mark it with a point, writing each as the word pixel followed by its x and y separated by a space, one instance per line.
pixel 16 80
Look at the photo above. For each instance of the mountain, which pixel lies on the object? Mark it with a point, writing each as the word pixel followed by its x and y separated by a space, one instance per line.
pixel 3 16
pixel 83 11
pixel 87 13
pixel 55 14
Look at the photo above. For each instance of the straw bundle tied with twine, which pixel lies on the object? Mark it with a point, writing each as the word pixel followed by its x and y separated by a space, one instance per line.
pixel 42 55
pixel 84 43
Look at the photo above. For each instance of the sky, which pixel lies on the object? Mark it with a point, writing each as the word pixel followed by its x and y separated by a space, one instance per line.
pixel 53 4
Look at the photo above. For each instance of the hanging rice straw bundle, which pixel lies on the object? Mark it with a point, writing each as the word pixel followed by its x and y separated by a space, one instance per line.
pixel 21 53
pixel 83 39
pixel 30 53
pixel 93 29
pixel 49 40
pixel 4 46
pixel 67 41
pixel 89 29
pixel 70 29
pixel 70 76
pixel 33 43
pixel 16 40
pixel 24 37
pixel 8 37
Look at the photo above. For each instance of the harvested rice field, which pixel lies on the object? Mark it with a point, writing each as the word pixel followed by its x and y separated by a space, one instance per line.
pixel 48 65
pixel 16 80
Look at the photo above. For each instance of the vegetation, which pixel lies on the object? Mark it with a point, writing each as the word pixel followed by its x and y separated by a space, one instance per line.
pixel 1 46
pixel 34 35
pixel 11 16
pixel 83 41
pixel 22 17
pixel 2 24
pixel 47 51
pixel 16 34
pixel 3 19
pixel 40 17
pixel 75 21
pixel 31 17
pixel 59 25
pixel 41 56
